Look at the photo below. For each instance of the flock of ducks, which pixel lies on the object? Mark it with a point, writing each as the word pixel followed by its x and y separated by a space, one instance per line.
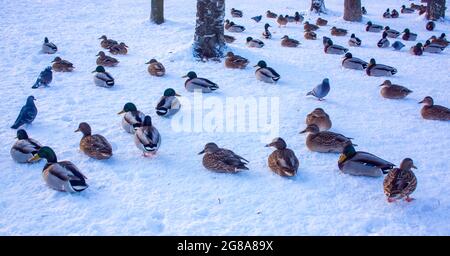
pixel 398 183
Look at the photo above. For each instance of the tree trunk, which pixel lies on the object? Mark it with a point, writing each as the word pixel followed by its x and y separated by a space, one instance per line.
pixel 352 10
pixel 157 13
pixel 209 42
pixel 435 9
pixel 318 6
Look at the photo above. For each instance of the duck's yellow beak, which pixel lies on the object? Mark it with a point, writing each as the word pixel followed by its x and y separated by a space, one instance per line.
pixel 34 158
pixel 121 112
pixel 342 158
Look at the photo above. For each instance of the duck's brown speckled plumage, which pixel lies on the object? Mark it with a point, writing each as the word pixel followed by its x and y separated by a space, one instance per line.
pixel 235 61
pixel 105 60
pixel 156 68
pixel 434 112
pixel 400 182
pixel 107 43
pixel 320 118
pixel 60 65
pixel 95 146
pixel 393 91
pixel 324 141
pixel 222 160
pixel 282 161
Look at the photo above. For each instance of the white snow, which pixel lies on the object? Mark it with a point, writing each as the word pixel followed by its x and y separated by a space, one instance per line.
pixel 172 194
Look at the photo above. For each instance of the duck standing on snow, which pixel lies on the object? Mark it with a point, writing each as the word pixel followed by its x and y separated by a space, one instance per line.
pixel 374 69
pixel 383 42
pixel 353 63
pixel 408 36
pixel 338 31
pixel 105 60
pixel 324 141
pixel 282 161
pixel 394 14
pixel 310 27
pixel 265 73
pixel 168 105
pixel 257 18
pixel 416 49
pixel 107 43
pixel 387 14
pixel 49 47
pixel 103 78
pixel 361 163
pixel 321 90
pixel 354 41
pixel 370 27
pixel 230 26
pixel 331 48
pixel 309 35
pixel 321 22
pixel 406 10
pixel 62 176
pixel 132 119
pixel 236 13
pixel 44 78
pixel 24 148
pixel 432 47
pixel 121 48
pixel 282 21
pixel 197 83
pixel 392 33
pixel 222 160
pixel 266 34
pixel 235 61
pixel 60 65
pixel 271 15
pixel 289 42
pixel 400 182
pixel 320 118
pixel 254 43
pixel 397 45
pixel 27 114
pixel 298 18
pixel 393 91
pixel 434 112
pixel 229 39
pixel 156 68
pixel 147 137
pixel 95 146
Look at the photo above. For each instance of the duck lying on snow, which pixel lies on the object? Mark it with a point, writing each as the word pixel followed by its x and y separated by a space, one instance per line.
pixel 198 83
pixel 331 48
pixel 361 163
pixel 283 160
pixel 24 148
pixel 49 47
pixel 265 73
pixel 95 146
pixel 222 160
pixel 434 112
pixel 103 78
pixel 320 118
pixel 235 61
pixel 393 91
pixel 156 68
pixel 374 69
pixel 105 60
pixel 324 141
pixel 169 104
pixel 132 119
pixel 60 65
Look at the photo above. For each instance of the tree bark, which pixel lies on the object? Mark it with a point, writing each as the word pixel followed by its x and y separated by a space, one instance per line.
pixel 435 9
pixel 157 13
pixel 318 6
pixel 352 10
pixel 209 41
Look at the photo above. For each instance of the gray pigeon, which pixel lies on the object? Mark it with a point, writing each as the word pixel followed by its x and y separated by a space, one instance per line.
pixel 321 90
pixel 27 113
pixel 397 45
pixel 45 78
pixel 257 18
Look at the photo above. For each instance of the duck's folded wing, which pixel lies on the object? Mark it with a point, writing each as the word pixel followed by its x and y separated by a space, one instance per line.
pixel 371 159
pixel 274 73
pixel 162 102
pixel 202 82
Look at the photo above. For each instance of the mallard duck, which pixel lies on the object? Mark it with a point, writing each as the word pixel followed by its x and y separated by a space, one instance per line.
pixel 338 31
pixel 107 43
pixel 387 14
pixel 27 114
pixel 408 36
pixel 361 163
pixel 324 141
pixel 392 33
pixel 266 34
pixel 416 49
pixel 440 40
pixel 230 26
pixel 353 63
pixel 197 83
pixel 321 22
pixel 121 48
pixel 289 18
pixel 434 112
pixel 229 39
pixel 103 78
pixel 310 27
pixel 422 10
pixel 320 118
pixel 370 27
pixel 62 176
pixel 147 137
pixel 254 43
pixel 168 105
pixel 321 90
pixel 257 18
pixel 354 41
pixel 430 25
pixel 271 15
pixel 44 78
pixel 132 119
pixel 374 69
pixel 394 14
pixel 404 9
pixel 60 65
pixel 331 48
pixel 95 146
pixel 282 21
pixel 415 7
pixel 310 35
pixel 397 45
pixel 393 91
pixel 236 13
pixel 400 182
pixel 282 161
pixel 222 160
pixel 155 68
pixel 363 10
pixel 105 60
pixel 383 42
pixel 265 73
pixel 298 17
pixel 49 47
pixel 432 47
pixel 289 42
pixel 235 61
pixel 24 148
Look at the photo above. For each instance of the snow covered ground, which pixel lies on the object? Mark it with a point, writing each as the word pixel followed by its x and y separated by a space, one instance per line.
pixel 172 194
